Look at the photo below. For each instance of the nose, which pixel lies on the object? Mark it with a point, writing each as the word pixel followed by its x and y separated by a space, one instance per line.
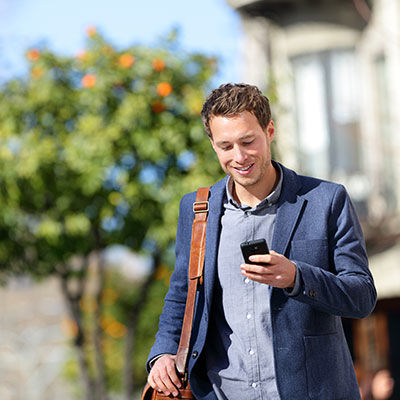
pixel 240 155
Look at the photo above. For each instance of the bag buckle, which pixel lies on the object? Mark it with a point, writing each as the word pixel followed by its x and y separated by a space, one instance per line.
pixel 200 207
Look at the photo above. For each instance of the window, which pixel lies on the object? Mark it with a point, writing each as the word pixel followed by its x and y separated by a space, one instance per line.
pixel 327 114
pixel 387 183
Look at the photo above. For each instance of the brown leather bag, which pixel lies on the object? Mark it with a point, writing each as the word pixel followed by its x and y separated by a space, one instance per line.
pixel 196 263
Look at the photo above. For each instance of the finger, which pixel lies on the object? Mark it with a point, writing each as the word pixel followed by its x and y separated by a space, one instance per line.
pixel 256 269
pixel 257 277
pixel 260 258
pixel 155 381
pixel 172 373
pixel 165 384
pixel 150 381
pixel 160 386
pixel 168 380
pixel 275 257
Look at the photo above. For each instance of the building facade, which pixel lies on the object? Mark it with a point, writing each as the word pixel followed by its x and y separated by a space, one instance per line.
pixel 333 66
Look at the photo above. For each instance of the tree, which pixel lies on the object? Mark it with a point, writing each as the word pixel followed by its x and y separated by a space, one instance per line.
pixel 97 150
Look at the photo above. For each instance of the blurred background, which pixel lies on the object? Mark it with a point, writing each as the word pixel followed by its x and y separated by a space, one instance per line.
pixel 100 136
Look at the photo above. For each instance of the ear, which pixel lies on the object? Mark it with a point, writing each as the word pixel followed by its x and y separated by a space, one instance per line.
pixel 271 130
pixel 212 142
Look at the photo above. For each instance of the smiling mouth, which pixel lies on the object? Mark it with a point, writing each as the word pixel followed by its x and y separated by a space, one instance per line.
pixel 243 169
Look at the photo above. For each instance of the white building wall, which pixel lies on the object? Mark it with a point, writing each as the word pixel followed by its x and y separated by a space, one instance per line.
pixel 255 51
pixel 381 39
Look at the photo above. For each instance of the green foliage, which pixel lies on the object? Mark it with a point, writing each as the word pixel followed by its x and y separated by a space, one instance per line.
pixel 97 150
pixel 94 148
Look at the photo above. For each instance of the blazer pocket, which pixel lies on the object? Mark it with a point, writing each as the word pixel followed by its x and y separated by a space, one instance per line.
pixel 328 367
pixel 314 252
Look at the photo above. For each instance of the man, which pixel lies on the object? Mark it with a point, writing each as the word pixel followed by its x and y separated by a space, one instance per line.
pixel 265 331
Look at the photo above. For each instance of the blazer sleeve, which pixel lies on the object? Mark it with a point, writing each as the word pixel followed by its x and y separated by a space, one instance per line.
pixel 171 319
pixel 345 287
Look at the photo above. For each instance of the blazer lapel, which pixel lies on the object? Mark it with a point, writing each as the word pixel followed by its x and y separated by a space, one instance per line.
pixel 290 207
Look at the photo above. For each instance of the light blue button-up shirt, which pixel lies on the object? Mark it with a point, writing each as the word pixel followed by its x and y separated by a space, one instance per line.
pixel 239 348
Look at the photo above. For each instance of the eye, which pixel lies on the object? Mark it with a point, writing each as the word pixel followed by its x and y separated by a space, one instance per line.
pixel 226 148
pixel 247 143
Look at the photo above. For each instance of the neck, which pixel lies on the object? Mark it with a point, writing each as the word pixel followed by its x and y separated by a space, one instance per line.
pixel 254 194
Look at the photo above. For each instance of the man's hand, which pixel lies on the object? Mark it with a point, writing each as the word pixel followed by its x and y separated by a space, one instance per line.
pixel 163 376
pixel 280 272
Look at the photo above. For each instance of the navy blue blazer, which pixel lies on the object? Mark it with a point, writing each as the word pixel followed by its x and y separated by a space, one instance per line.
pixel 317 228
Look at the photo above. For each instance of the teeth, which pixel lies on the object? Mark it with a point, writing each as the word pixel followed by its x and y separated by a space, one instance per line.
pixel 244 168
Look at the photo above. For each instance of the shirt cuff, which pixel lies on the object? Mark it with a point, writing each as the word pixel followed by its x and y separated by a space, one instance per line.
pixel 295 290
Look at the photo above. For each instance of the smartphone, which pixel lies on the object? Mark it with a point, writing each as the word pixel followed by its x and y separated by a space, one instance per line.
pixel 251 247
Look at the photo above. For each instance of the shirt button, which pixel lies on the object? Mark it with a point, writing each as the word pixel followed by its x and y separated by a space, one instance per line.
pixel 248 316
pixel 254 385
pixel 251 352
pixel 247 280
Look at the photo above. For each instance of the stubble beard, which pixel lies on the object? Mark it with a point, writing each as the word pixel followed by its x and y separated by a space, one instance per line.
pixel 249 182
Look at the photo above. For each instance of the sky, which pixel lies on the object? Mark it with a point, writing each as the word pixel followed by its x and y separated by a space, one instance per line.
pixel 209 26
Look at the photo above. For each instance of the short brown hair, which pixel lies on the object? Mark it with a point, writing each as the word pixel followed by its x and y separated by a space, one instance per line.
pixel 231 99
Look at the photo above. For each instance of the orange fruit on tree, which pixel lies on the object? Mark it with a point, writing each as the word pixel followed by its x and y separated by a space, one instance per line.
pixel 91 30
pixel 33 54
pixel 37 72
pixel 158 64
pixel 126 60
pixel 158 107
pixel 88 81
pixel 116 330
pixel 164 89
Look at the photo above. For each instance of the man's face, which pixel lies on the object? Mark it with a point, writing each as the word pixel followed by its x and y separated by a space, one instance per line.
pixel 243 148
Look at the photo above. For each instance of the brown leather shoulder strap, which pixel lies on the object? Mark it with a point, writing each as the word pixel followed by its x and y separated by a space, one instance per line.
pixel 196 263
